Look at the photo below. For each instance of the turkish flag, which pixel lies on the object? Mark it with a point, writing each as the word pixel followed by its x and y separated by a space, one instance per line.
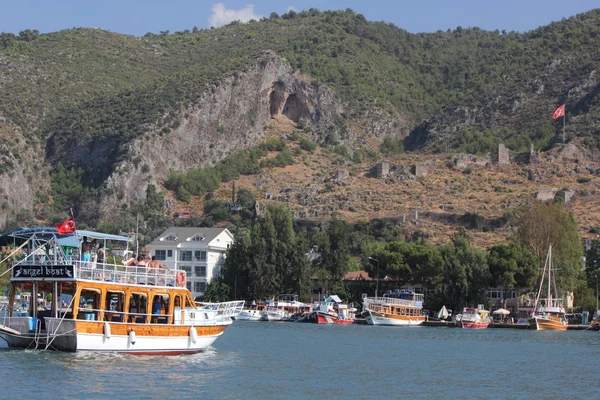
pixel 560 112
pixel 66 227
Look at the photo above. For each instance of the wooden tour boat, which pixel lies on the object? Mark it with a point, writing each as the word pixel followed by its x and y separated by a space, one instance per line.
pixel 549 313
pixel 97 306
pixel 397 308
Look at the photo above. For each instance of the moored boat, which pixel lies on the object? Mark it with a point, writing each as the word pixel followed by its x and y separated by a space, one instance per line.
pixel 549 314
pixel 397 308
pixel 333 311
pixel 285 308
pixel 251 313
pixel 97 306
pixel 474 318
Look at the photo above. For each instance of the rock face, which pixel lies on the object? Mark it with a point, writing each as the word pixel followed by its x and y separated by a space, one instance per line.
pixel 24 176
pixel 228 117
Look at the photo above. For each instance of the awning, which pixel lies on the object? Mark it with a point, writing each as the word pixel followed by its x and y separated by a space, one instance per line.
pixel 21 235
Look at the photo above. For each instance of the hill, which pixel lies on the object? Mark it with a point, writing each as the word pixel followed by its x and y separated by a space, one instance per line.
pixel 96 118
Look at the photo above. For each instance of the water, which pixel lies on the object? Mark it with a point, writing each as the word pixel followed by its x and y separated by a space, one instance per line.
pixel 260 360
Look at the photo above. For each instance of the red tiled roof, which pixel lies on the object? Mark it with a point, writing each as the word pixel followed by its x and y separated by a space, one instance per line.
pixel 357 276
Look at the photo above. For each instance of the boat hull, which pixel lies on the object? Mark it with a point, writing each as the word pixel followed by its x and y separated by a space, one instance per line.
pixel 376 318
pixel 248 315
pixel 149 339
pixel 474 324
pixel 547 324
pixel 327 318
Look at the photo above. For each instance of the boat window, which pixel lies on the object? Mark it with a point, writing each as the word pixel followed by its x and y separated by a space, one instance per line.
pixel 89 303
pixel 115 302
pixel 177 300
pixel 160 307
pixel 138 304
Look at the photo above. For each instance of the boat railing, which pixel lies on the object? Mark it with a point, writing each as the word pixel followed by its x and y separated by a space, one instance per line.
pixel 138 275
pixel 226 309
pixel 553 302
pixel 392 301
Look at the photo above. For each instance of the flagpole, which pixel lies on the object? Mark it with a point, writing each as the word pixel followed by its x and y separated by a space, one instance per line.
pixel 564 124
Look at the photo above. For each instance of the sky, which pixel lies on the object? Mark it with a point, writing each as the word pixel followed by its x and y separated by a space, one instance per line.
pixel 137 17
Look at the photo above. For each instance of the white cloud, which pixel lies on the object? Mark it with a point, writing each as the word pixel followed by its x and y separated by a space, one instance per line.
pixel 222 15
pixel 291 8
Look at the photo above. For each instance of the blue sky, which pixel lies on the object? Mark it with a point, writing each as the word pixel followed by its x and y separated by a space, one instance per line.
pixel 136 17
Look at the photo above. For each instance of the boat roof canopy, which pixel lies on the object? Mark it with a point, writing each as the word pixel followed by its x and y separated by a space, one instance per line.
pixel 21 235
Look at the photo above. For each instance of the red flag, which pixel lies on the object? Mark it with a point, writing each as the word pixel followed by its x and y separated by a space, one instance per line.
pixel 66 227
pixel 560 112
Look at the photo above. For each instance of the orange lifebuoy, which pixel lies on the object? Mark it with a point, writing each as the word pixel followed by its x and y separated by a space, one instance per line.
pixel 180 278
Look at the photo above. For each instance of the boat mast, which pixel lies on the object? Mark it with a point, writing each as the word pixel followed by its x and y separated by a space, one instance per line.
pixel 549 261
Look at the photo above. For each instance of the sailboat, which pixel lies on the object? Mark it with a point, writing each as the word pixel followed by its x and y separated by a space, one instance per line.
pixel 549 314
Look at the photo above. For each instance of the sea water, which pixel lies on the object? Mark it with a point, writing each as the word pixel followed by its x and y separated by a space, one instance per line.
pixel 261 360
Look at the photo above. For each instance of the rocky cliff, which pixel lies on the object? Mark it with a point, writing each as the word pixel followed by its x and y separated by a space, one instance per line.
pixel 227 117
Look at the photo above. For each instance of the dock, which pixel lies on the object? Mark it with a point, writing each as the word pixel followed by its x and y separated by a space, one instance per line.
pixel 448 324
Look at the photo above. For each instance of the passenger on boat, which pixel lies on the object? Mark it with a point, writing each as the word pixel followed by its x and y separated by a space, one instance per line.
pixel 101 253
pixel 153 264
pixel 157 304
pixel 86 250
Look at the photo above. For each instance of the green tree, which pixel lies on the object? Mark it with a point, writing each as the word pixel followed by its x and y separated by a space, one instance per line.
pixel 246 198
pixel 217 291
pixel 511 266
pixel 154 200
pixel 466 274
pixel 543 224
pixel 334 249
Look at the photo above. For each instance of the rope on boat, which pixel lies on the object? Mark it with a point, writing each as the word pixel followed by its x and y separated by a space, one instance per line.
pixel 10 255
pixel 54 335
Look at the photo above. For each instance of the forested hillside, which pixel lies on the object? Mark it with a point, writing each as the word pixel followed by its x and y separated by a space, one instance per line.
pixel 460 90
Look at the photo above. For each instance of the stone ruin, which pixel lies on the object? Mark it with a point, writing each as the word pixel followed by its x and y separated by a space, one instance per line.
pixel 503 156
pixel 382 169
pixel 550 194
pixel 420 171
pixel 340 175
pixel 401 172
pixel 565 195
pixel 462 160
pixel 546 194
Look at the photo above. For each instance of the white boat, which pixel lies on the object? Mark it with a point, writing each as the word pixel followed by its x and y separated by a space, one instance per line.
pixel 251 313
pixel 474 318
pixel 285 308
pixel 104 307
pixel 397 308
pixel 549 313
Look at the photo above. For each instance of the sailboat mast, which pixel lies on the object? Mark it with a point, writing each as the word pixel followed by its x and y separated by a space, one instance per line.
pixel 549 276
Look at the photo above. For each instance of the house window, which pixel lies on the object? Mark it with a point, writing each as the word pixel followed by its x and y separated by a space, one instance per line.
pixel 169 253
pixel 200 271
pixel 188 285
pixel 199 286
pixel 187 269
pixel 161 255
pixel 200 256
pixel 171 237
pixel 198 238
pixel 185 255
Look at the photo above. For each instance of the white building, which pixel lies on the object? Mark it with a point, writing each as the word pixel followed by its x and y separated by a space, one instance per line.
pixel 200 252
